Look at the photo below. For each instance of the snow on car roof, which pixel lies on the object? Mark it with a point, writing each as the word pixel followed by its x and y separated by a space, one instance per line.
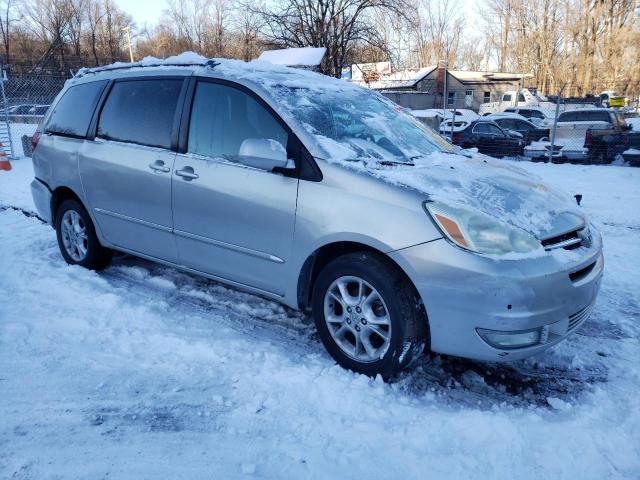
pixel 185 59
pixel 303 57
pixel 403 78
pixel 435 113
pixel 498 115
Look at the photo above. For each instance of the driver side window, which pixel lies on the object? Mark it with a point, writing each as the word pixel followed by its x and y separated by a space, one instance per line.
pixel 223 117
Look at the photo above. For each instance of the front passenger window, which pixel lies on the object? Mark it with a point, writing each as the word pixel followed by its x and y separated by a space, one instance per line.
pixel 229 123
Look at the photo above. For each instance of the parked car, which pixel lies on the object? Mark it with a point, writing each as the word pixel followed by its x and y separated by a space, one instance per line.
pixel 489 139
pixel 542 117
pixel 524 98
pixel 27 113
pixel 19 113
pixel 435 117
pixel 321 195
pixel 529 131
pixel 609 98
pixel 604 144
pixel 38 110
pixel 572 128
pixel 539 151
pixel 632 157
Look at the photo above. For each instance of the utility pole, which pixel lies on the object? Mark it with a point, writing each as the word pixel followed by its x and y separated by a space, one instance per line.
pixel 128 31
pixel 555 124
pixel 446 93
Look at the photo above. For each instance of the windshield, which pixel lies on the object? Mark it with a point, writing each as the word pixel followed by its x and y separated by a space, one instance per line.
pixel 361 125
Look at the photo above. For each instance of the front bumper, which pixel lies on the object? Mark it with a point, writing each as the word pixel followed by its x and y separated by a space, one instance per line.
pixel 463 292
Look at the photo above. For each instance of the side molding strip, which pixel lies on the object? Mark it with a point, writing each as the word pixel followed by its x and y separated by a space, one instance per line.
pixel 230 246
pixel 134 220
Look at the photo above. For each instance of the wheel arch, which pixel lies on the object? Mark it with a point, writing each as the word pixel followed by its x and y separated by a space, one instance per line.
pixel 58 196
pixel 321 257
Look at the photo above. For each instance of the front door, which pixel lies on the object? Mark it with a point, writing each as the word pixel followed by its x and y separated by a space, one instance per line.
pixel 232 221
pixel 126 170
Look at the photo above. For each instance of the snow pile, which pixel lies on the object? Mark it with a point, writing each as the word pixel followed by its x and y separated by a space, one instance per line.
pixel 184 59
pixel 515 116
pixel 634 122
pixel 294 57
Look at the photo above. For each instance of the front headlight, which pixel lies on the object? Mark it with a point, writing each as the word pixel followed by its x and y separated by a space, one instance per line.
pixel 481 233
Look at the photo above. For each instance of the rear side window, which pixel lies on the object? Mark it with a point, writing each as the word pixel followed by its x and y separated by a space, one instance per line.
pixel 480 128
pixel 568 117
pixel 72 113
pixel 140 111
pixel 521 125
pixel 531 114
pixel 493 130
pixel 600 116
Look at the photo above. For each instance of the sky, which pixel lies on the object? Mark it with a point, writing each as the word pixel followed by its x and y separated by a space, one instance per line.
pixel 143 11
pixel 150 11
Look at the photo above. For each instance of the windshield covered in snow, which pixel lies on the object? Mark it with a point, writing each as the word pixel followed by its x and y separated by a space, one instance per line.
pixel 364 125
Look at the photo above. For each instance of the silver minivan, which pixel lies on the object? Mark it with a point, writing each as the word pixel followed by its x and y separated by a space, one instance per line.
pixel 319 194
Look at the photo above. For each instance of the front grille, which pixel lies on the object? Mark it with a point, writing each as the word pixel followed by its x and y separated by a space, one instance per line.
pixel 580 316
pixel 569 240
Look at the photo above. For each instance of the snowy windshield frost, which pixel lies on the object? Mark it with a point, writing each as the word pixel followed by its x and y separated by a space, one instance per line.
pixel 349 122
pixel 362 123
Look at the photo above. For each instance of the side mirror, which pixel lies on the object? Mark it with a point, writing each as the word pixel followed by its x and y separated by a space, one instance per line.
pixel 263 153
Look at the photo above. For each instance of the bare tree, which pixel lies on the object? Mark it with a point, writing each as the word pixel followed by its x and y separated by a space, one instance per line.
pixel 246 26
pixel 338 25
pixel 438 31
pixel 9 10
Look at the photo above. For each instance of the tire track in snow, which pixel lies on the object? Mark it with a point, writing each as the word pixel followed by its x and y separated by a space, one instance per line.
pixel 453 380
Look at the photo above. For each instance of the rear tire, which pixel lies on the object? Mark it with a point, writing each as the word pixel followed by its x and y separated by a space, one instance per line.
pixel 358 300
pixel 77 239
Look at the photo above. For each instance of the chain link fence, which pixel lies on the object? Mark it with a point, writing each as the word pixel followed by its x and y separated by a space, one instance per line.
pixel 558 129
pixel 589 130
pixel 26 101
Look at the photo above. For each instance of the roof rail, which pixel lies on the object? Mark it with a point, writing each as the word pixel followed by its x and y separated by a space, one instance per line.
pixel 211 63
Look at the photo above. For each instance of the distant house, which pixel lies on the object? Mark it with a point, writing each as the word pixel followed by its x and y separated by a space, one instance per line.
pixel 423 88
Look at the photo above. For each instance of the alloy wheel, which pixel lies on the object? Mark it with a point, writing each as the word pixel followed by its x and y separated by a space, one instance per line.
pixel 357 318
pixel 74 235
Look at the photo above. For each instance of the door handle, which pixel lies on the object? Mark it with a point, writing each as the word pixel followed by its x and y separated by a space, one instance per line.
pixel 158 166
pixel 187 173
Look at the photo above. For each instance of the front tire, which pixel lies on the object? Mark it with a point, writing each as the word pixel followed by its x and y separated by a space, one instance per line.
pixel 368 315
pixel 77 239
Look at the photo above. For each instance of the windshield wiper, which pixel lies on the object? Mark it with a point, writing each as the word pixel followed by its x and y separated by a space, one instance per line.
pixel 389 163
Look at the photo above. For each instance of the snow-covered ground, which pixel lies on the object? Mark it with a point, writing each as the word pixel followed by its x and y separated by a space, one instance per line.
pixel 145 372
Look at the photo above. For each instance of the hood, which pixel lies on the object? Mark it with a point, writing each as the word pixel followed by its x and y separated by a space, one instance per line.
pixel 496 188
